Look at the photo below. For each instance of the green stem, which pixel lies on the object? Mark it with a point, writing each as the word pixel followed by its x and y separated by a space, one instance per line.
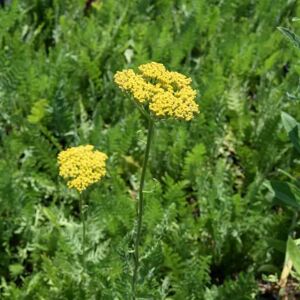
pixel 293 224
pixel 141 109
pixel 82 216
pixel 51 138
pixel 140 207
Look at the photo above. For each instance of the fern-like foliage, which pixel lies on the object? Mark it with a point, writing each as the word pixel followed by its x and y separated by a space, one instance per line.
pixel 206 193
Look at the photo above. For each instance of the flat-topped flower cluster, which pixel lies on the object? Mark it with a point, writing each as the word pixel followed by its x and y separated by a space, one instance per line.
pixel 167 94
pixel 81 166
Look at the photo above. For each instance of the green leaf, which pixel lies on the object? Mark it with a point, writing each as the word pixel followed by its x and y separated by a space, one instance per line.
pixel 292 128
pixel 38 111
pixel 284 193
pixel 279 245
pixel 268 268
pixel 290 35
pixel 51 216
pixel 15 269
pixel 288 121
pixel 294 254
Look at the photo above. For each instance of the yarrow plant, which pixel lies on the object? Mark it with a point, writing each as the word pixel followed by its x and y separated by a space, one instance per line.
pixel 158 93
pixel 166 93
pixel 82 166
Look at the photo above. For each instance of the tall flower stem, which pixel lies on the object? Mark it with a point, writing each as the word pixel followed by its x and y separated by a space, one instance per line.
pixel 82 216
pixel 140 208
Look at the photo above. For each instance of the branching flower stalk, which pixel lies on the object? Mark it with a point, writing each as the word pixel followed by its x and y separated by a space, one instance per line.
pixel 158 93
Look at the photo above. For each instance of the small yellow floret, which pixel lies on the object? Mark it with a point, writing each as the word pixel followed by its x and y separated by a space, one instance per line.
pixel 81 166
pixel 167 94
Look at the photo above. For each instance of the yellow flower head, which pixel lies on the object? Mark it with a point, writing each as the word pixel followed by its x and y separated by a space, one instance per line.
pixel 81 166
pixel 167 94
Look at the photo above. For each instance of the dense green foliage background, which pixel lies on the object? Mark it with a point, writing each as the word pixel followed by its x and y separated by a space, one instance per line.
pixel 212 228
